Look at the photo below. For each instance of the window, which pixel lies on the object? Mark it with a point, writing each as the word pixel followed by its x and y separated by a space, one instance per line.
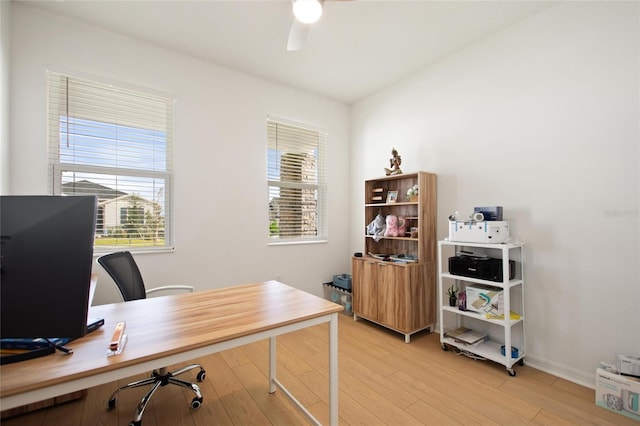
pixel 296 183
pixel 117 144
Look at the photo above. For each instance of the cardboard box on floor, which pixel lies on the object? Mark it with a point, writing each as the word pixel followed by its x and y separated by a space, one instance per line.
pixel 618 393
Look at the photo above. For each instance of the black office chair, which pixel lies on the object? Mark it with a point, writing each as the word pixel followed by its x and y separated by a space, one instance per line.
pixel 125 273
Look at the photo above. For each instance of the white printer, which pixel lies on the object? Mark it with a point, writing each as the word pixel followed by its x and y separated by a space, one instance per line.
pixel 479 232
pixel 628 365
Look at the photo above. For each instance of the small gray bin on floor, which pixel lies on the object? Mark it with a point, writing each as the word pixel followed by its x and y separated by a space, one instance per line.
pixel 339 296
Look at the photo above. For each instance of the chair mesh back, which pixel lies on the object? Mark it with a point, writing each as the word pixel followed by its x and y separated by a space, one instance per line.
pixel 124 271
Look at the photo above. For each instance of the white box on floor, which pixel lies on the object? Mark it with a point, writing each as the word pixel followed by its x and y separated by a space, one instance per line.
pixel 479 232
pixel 618 393
pixel 485 299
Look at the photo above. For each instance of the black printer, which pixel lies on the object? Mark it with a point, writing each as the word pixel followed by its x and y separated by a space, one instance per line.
pixel 484 268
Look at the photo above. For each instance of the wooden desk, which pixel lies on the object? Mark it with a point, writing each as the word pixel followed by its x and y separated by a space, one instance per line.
pixel 173 329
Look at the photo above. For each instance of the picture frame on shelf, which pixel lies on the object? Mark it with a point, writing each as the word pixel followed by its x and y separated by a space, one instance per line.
pixel 392 196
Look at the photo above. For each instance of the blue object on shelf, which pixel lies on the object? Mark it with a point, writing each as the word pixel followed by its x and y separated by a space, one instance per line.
pixel 514 351
pixel 342 281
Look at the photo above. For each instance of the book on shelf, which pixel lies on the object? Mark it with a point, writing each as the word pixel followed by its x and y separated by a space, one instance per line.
pixel 466 335
pixel 377 195
pixel 512 316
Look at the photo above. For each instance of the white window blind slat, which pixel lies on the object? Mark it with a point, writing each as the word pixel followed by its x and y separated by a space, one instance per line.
pixel 117 144
pixel 296 183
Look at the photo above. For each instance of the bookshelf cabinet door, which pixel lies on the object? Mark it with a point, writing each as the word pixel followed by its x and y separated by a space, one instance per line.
pixel 365 288
pixel 392 296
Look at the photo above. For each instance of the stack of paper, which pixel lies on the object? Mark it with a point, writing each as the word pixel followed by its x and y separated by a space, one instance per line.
pixel 466 335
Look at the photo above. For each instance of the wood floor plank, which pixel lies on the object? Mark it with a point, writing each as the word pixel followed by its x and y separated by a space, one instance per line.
pixel 275 406
pixel 566 405
pixel 243 410
pixel 61 415
pixel 430 414
pixel 352 413
pixel 212 406
pixel 220 375
pixel 235 357
pixel 376 401
pixel 369 375
pixel 94 406
pixel 567 386
pixel 546 418
pixel 433 392
pixel 295 383
pixel 382 381
pixel 484 398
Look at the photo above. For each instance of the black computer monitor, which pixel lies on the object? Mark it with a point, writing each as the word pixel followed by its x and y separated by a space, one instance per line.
pixel 46 255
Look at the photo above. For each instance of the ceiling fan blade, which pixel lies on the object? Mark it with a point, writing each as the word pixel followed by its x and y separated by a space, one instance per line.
pixel 297 35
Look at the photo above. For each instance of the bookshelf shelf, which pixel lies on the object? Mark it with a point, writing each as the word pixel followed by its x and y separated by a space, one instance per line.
pixel 507 331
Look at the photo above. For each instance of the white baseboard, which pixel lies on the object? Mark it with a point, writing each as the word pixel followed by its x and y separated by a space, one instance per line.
pixel 562 371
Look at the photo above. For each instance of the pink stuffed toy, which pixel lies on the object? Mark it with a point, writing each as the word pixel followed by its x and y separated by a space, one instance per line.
pixel 392 226
pixel 402 226
pixel 396 226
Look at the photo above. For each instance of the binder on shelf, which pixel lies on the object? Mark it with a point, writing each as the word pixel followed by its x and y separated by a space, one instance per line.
pixel 466 335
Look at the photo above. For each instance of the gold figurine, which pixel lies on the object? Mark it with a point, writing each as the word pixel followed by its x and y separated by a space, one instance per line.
pixel 394 164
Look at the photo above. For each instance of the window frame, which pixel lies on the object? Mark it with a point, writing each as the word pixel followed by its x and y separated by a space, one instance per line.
pixel 57 168
pixel 320 186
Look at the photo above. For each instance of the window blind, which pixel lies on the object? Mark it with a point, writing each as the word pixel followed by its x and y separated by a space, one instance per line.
pixel 296 182
pixel 117 144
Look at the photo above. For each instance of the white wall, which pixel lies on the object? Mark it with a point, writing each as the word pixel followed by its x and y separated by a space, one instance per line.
pixel 221 217
pixel 542 119
pixel 5 37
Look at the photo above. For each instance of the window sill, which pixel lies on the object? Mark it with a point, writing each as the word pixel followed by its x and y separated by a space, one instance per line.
pixel 101 251
pixel 296 242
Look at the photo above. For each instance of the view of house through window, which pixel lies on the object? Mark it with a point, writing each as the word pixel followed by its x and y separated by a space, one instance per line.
pixel 296 183
pixel 115 144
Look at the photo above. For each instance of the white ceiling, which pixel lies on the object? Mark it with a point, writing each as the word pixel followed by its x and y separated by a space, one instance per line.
pixel 357 48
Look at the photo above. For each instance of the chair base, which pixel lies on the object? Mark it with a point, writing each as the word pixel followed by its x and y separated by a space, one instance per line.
pixel 158 379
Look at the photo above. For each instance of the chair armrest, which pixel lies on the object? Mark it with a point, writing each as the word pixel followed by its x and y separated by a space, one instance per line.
pixel 171 287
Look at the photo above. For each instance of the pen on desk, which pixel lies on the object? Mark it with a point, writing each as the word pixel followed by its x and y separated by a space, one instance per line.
pixel 118 333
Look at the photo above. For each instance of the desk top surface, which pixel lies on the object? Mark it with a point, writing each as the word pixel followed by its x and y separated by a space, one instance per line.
pixel 163 326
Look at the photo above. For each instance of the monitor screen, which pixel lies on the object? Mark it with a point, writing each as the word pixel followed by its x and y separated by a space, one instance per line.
pixel 46 256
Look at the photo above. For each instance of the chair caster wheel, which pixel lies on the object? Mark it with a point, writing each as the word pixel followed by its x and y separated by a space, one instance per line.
pixel 196 403
pixel 201 375
pixel 111 404
pixel 138 423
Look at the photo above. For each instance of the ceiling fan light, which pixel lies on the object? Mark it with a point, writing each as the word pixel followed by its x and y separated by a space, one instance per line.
pixel 307 11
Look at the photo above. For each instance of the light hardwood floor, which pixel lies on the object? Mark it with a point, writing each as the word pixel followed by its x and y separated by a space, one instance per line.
pixel 382 381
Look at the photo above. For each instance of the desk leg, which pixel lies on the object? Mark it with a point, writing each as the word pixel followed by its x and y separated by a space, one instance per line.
pixel 272 364
pixel 333 370
pixel 333 375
